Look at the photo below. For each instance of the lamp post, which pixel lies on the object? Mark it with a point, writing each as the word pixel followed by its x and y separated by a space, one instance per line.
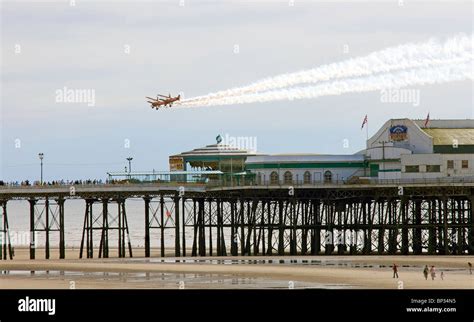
pixel 129 159
pixel 41 156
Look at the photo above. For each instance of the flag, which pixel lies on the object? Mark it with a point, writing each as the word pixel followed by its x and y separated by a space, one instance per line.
pixel 427 119
pixel 364 122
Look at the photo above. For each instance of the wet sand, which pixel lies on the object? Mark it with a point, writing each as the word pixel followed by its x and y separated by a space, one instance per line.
pixel 367 272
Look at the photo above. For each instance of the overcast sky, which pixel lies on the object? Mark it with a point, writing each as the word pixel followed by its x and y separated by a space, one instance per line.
pixel 47 46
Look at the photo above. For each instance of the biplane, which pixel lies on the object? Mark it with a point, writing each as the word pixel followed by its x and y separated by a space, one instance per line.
pixel 162 100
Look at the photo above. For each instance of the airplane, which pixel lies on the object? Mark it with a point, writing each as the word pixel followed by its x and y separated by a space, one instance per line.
pixel 162 100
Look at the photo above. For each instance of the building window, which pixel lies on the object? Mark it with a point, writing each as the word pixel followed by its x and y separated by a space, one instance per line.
pixel 465 164
pixel 433 168
pixel 327 176
pixel 412 168
pixel 288 177
pixel 307 177
pixel 450 164
pixel 274 178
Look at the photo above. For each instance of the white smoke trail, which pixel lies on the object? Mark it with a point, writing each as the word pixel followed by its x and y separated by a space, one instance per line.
pixel 419 76
pixel 455 50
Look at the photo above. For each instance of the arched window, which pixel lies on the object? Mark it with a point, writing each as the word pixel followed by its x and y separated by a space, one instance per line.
pixel 307 177
pixel 288 177
pixel 327 176
pixel 274 177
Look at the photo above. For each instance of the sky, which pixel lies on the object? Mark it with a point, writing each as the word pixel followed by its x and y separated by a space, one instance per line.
pixel 123 51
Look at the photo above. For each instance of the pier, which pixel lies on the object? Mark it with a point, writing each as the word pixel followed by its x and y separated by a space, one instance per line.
pixel 251 220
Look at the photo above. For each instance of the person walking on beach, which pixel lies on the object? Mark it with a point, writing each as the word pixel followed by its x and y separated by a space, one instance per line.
pixel 442 275
pixel 433 272
pixel 470 267
pixel 426 271
pixel 395 270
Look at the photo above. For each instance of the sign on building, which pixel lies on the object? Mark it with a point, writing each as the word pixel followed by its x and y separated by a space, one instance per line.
pixel 176 164
pixel 398 133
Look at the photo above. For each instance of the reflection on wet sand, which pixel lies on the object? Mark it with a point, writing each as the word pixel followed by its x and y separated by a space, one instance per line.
pixel 265 272
pixel 167 280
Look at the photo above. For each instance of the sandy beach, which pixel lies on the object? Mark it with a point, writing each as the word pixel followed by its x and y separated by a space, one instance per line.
pixel 367 272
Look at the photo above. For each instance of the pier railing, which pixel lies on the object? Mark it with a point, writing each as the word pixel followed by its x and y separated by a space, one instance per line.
pixel 242 183
pixel 368 182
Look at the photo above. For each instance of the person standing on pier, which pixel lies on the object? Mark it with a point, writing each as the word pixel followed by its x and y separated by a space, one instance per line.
pixel 433 272
pixel 426 271
pixel 395 270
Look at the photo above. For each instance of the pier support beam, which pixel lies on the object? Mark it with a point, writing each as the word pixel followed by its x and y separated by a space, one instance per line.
pixel 220 236
pixel 281 229
pixel 233 230
pixel 87 230
pixel 162 226
pixel 32 228
pixel 404 217
pixel 201 225
pixel 392 221
pixel 470 220
pixel 147 226
pixel 47 216
pixel 316 227
pixel 432 210
pixel 105 222
pixel 177 245
pixel 124 236
pixel 417 242
pixel 104 240
pixel 184 212
pixel 444 219
pixel 195 226
pixel 209 217
pixel 62 240
pixel 6 250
